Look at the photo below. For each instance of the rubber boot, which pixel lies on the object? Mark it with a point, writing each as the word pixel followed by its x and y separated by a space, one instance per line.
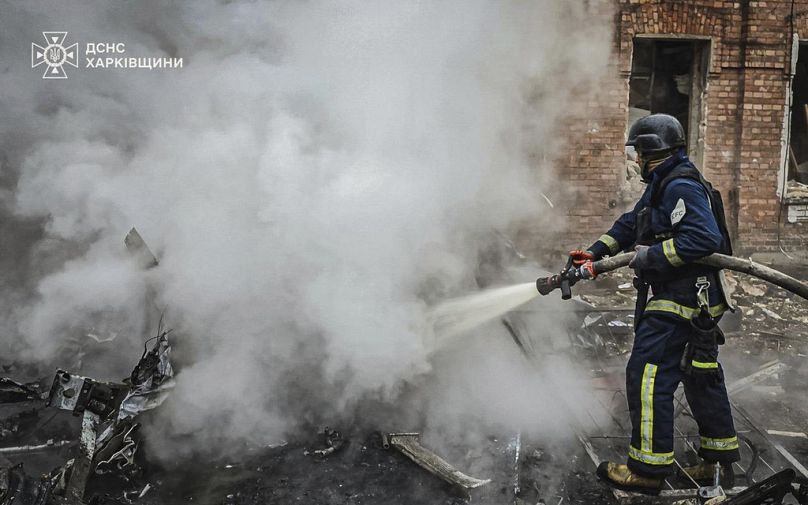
pixel 621 477
pixel 704 474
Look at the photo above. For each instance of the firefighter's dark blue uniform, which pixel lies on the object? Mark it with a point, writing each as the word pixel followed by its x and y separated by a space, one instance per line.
pixel 685 229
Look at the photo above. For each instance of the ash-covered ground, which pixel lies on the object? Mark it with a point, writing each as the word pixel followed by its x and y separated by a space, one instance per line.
pixel 765 361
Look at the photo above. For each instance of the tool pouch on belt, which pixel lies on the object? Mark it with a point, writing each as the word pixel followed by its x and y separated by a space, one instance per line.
pixel 701 352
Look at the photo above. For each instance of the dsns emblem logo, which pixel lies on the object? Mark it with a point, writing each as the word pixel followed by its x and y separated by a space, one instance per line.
pixel 54 55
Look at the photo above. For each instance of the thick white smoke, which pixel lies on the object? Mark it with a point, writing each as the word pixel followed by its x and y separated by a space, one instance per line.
pixel 314 176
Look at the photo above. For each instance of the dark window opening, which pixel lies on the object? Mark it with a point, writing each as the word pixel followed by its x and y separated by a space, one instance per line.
pixel 798 143
pixel 669 76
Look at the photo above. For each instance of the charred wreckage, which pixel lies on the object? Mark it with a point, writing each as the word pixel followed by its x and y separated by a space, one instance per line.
pixel 91 428
pixel 108 440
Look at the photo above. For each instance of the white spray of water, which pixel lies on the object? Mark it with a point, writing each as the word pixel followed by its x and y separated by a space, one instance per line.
pixel 459 315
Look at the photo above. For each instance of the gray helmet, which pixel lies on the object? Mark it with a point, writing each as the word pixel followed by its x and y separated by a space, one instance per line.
pixel 655 134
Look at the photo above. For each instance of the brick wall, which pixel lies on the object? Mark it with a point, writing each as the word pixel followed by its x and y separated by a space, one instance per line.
pixel 746 97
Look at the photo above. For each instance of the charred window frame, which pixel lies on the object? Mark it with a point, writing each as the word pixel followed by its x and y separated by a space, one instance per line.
pixel 796 156
pixel 669 75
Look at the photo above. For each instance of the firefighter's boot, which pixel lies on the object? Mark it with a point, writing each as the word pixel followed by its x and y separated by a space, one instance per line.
pixel 621 477
pixel 704 474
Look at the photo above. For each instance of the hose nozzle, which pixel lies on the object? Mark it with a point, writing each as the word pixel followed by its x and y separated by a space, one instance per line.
pixel 564 280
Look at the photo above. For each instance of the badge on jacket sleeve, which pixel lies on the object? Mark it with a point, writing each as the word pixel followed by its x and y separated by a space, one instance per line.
pixel 678 212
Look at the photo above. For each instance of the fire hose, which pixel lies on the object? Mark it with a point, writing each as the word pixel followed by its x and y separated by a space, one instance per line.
pixel 570 275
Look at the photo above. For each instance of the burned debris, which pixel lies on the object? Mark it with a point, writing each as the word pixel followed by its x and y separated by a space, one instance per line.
pixel 409 444
pixel 333 442
pixel 108 442
pixel 95 452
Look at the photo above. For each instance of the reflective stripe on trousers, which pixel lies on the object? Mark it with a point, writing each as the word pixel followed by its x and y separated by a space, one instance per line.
pixel 646 452
pixel 647 408
pixel 704 364
pixel 650 458
pixel 719 444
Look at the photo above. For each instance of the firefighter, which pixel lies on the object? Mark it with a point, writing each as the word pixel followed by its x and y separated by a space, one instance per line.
pixel 678 219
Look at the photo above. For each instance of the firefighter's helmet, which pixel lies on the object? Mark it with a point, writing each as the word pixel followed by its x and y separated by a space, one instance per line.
pixel 656 134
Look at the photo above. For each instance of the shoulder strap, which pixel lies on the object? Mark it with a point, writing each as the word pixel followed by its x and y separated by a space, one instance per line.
pixel 683 170
pixel 713 197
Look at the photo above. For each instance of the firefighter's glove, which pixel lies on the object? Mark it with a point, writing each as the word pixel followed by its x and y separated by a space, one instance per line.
pixel 587 270
pixel 580 257
pixel 640 260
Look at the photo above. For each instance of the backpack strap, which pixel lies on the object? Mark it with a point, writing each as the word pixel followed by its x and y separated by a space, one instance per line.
pixel 713 198
pixel 685 171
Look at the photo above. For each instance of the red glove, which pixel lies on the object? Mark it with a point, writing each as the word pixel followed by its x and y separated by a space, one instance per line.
pixel 580 257
pixel 589 268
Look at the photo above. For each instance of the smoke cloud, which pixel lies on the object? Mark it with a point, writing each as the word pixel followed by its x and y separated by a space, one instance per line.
pixel 312 180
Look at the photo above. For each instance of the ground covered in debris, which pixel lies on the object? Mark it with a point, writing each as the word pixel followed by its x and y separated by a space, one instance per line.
pixel 44 427
pixel 765 360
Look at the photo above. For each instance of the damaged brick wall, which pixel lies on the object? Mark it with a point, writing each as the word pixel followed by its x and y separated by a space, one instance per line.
pixel 744 122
